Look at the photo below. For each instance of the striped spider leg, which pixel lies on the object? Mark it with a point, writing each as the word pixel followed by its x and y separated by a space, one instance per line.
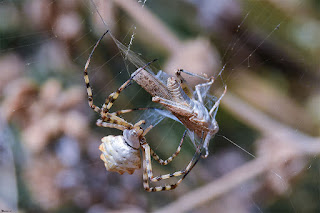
pixel 185 104
pixel 122 153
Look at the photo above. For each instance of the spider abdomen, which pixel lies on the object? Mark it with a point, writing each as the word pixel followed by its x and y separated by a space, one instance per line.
pixel 118 156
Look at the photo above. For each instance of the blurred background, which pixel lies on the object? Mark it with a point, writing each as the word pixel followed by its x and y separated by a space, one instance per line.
pixel 265 156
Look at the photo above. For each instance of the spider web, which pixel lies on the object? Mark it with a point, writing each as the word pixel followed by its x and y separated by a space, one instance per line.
pixel 228 55
pixel 34 48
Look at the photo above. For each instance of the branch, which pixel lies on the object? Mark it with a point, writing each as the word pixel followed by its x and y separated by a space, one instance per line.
pixel 152 24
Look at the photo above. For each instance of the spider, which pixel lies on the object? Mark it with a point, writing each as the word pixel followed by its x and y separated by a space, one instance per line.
pixel 121 153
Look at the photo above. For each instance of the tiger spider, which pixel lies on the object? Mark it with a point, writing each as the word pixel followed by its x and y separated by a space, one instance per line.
pixel 121 153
